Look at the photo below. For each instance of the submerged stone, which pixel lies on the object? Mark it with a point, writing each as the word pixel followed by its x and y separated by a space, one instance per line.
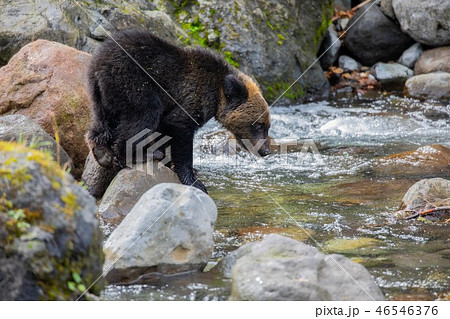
pixel 427 195
pixel 426 161
pixel 360 246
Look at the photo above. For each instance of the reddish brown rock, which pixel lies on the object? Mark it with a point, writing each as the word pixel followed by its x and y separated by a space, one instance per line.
pixel 434 60
pixel 414 294
pixel 427 161
pixel 46 81
pixel 428 86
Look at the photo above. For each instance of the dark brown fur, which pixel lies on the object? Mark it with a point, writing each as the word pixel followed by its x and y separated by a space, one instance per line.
pixel 127 100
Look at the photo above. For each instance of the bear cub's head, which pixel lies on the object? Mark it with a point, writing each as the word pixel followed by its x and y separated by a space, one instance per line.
pixel 245 113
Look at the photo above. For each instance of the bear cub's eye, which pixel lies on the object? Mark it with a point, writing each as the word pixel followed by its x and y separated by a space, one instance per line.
pixel 258 127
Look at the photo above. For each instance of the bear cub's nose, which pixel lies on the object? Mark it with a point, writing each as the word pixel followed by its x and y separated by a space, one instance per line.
pixel 264 152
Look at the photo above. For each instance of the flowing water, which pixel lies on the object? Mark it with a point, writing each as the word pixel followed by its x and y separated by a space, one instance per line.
pixel 334 199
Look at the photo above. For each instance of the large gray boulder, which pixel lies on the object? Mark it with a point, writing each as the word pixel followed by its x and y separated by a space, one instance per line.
pixel 168 231
pixel 20 128
pixel 82 25
pixel 434 60
pixel 126 189
pixel 392 76
pixel 374 37
pixel 280 268
pixel 274 40
pixel 433 86
pixel 23 21
pixel 427 22
pixel 50 238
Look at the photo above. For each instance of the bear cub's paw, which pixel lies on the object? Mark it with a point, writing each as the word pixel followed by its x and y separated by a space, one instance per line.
pixel 105 157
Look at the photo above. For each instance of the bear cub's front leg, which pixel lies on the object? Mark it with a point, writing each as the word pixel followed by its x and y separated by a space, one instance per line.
pixel 182 159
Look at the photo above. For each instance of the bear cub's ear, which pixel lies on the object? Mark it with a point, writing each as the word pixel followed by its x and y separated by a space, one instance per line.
pixel 235 92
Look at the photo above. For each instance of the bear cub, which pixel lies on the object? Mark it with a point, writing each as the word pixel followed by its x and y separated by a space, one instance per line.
pixel 139 81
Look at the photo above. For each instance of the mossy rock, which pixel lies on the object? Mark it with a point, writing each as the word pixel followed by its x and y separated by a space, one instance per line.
pixel 22 129
pixel 50 242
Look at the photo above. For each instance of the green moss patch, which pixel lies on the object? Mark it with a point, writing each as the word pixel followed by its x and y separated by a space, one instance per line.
pixel 194 29
pixel 274 90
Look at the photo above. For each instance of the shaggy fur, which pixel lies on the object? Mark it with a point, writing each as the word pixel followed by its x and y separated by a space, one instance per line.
pixel 126 100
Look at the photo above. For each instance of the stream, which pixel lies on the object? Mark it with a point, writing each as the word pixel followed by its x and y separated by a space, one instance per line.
pixel 333 200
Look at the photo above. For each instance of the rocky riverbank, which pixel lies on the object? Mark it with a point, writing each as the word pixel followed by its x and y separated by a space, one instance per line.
pixel 374 46
pixel 65 221
pixel 381 47
pixel 275 41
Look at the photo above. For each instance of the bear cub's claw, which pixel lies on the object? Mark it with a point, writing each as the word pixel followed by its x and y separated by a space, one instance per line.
pixel 197 183
pixel 200 186
pixel 189 178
